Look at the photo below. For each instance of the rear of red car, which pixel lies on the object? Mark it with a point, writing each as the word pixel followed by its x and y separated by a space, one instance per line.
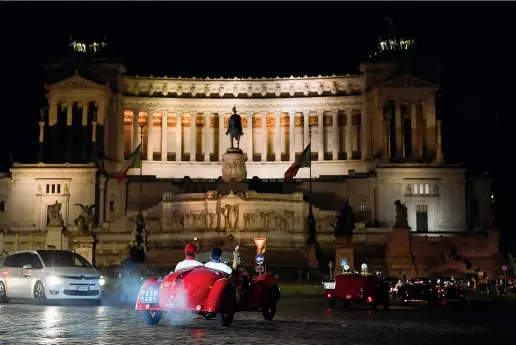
pixel 357 288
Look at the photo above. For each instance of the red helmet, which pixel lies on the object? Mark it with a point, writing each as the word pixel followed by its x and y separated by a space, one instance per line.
pixel 190 249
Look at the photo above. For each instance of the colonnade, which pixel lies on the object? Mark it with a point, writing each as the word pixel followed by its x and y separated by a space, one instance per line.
pixel 252 122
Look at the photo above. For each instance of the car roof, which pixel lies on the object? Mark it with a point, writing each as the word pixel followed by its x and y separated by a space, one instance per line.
pixel 39 251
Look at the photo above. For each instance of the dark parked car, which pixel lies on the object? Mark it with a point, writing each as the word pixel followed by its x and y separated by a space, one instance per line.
pixel 420 290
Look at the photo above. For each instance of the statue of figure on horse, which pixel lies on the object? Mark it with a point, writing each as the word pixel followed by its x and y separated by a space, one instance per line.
pixel 235 128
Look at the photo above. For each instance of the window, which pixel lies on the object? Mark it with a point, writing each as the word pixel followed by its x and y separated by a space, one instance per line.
pixel 62 258
pixel 2 206
pixel 34 261
pixel 420 188
pixel 112 206
pixel 362 206
pixel 422 218
pixel 53 188
pixel 415 189
pixel 427 188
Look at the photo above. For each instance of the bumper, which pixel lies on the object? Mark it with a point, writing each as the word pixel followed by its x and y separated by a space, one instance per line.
pixel 75 290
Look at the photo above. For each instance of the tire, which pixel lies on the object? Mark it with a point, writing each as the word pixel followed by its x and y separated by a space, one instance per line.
pixel 269 311
pixel 3 294
pixel 39 293
pixel 228 306
pixel 152 317
pixel 331 303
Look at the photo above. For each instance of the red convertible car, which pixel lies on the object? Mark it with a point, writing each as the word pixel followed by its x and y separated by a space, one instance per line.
pixel 209 293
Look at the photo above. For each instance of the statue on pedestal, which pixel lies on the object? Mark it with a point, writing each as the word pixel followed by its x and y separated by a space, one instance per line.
pixel 345 222
pixel 401 216
pixel 235 128
pixel 138 245
pixel 86 221
pixel 54 215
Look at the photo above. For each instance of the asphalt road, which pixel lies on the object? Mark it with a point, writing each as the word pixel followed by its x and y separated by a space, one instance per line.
pixel 298 321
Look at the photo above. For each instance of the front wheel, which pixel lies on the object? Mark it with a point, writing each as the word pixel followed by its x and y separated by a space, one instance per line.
pixel 228 306
pixel 3 294
pixel 151 317
pixel 39 293
pixel 269 311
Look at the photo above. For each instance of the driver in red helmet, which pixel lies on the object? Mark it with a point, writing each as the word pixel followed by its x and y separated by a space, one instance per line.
pixel 189 261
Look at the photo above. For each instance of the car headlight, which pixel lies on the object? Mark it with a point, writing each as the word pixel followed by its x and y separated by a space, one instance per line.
pixel 102 281
pixel 53 280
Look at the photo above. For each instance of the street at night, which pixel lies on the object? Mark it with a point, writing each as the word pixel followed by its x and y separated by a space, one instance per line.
pixel 298 321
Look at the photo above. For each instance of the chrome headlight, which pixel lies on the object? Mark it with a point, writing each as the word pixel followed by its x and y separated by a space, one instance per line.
pixel 102 281
pixel 54 280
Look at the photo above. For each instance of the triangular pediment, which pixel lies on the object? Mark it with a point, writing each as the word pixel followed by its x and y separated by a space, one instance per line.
pixel 75 82
pixel 407 80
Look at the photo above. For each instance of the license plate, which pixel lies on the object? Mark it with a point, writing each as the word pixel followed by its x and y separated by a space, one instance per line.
pixel 329 285
pixel 83 288
pixel 149 296
pixel 348 296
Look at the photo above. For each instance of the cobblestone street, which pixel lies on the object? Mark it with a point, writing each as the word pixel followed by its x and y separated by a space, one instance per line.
pixel 298 321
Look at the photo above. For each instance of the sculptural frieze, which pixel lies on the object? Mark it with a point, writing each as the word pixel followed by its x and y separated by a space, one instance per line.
pixel 230 215
pixel 54 214
pixel 153 224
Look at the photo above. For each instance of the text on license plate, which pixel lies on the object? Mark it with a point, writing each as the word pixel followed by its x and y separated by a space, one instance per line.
pixel 329 285
pixel 83 288
pixel 149 296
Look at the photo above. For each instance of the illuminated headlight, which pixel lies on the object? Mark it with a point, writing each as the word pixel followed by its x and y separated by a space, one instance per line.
pixel 102 281
pixel 53 281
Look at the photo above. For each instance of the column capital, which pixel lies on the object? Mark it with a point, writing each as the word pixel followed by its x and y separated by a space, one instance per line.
pixel 277 113
pixel 320 112
pixel 179 113
pixel 150 111
pixel 80 104
pixel 264 113
pixel 136 112
pixel 307 112
pixel 164 112
pixel 292 113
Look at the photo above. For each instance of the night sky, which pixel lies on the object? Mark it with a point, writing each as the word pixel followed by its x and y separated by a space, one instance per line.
pixel 465 47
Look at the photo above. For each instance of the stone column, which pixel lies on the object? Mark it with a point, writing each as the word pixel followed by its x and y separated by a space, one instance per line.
pixel 41 139
pixel 206 136
pixel 69 139
pixel 429 111
pixel 386 138
pixel 193 135
pixel 306 124
pixel 164 135
pixel 84 145
pixel 120 115
pixel 292 135
pixel 150 135
pixel 179 135
pixel 93 154
pixel 335 128
pixel 364 133
pixel 277 137
pixel 439 153
pixel 399 130
pixel 222 134
pixel 52 112
pixel 264 136
pixel 136 137
pixel 349 134
pixel 413 132
pixel 320 135
pixel 102 197
pixel 249 136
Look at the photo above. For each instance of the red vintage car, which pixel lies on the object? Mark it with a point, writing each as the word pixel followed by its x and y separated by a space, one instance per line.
pixel 209 293
pixel 357 288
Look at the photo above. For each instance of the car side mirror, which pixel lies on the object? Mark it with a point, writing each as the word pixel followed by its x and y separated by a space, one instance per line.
pixel 27 267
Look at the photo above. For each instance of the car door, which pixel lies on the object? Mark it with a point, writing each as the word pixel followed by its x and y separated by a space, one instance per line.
pixel 30 275
pixel 14 275
pixel 6 273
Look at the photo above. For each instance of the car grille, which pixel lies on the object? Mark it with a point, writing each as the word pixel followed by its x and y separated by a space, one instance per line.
pixel 81 293
pixel 79 277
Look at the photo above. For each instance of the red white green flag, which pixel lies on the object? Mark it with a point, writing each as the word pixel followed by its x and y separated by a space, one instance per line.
pixel 303 161
pixel 134 161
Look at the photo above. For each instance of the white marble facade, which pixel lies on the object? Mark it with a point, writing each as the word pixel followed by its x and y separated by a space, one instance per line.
pixel 378 127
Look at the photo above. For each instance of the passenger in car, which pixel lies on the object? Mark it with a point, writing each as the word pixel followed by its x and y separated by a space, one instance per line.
pixel 189 261
pixel 218 265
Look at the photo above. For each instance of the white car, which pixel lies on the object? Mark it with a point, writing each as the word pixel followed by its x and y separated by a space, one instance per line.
pixel 49 275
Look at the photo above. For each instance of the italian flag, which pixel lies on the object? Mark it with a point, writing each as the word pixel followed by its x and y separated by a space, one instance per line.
pixel 303 161
pixel 134 161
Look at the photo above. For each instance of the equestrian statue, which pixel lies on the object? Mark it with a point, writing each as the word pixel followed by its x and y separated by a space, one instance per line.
pixel 235 128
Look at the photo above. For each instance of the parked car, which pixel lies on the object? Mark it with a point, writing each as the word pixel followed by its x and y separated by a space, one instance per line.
pixel 420 290
pixel 45 275
pixel 209 293
pixel 357 288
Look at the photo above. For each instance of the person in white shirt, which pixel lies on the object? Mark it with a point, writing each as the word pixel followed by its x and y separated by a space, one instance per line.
pixel 217 264
pixel 189 261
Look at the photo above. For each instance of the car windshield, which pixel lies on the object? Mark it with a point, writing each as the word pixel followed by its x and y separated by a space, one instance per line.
pixel 62 258
pixel 206 256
